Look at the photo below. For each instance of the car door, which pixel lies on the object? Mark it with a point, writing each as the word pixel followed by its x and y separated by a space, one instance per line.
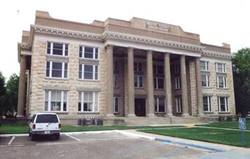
pixel 47 123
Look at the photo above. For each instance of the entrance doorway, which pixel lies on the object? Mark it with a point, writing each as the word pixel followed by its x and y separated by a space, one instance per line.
pixel 140 107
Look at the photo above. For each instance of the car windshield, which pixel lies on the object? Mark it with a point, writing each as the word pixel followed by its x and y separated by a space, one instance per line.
pixel 46 118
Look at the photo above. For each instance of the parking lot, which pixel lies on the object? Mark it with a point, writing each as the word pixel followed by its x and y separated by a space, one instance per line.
pixel 91 145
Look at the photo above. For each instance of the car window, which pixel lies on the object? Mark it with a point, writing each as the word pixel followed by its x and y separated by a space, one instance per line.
pixel 33 118
pixel 46 118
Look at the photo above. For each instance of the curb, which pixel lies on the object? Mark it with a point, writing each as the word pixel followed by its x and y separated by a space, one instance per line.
pixel 197 146
pixel 64 133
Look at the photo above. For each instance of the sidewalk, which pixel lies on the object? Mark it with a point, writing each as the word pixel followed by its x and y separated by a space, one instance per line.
pixel 205 146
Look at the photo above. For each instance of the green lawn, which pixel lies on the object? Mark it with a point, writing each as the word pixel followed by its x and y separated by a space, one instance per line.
pixel 19 128
pixel 228 124
pixel 228 137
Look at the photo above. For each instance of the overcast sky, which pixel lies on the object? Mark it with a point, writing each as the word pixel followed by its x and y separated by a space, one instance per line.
pixel 216 21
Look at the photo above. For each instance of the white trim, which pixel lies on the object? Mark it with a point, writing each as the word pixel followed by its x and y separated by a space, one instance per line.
pixel 61 108
pixel 177 82
pixel 63 66
pixel 49 101
pixel 223 67
pixel 150 47
pixel 137 78
pixel 209 104
pixel 93 73
pixel 223 80
pixel 95 101
pixel 61 101
pixel 63 70
pixel 82 99
pixel 157 100
pixel 63 49
pixel 206 64
pixel 226 103
pixel 94 48
pixel 51 48
pixel 206 80
pixel 178 105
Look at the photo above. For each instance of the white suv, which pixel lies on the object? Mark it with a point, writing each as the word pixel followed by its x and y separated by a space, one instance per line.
pixel 44 124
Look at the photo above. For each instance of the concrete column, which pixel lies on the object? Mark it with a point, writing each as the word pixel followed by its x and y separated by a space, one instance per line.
pixel 150 84
pixel 184 91
pixel 193 90
pixel 168 87
pixel 110 90
pixel 198 86
pixel 131 89
pixel 21 87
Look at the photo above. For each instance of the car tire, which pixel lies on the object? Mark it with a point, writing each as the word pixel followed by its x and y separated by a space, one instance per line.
pixel 32 137
pixel 57 136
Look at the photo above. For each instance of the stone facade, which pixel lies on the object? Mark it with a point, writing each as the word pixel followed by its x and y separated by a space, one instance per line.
pixel 144 68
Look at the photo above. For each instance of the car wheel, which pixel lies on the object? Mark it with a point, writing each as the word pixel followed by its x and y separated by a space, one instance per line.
pixel 32 137
pixel 57 136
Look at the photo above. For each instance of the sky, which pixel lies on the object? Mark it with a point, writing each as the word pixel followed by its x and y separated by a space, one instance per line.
pixel 216 21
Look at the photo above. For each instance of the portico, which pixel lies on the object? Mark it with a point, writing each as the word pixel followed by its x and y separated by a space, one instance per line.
pixel 143 80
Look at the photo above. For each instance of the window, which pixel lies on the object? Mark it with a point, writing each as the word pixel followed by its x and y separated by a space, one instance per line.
pixel 138 81
pixel 115 104
pixel 55 100
pixel 205 80
pixel 177 69
pixel 159 104
pixel 159 83
pixel 177 82
pixel 178 104
pixel 116 80
pixel 204 65
pixel 60 49
pixel 88 72
pixel 223 104
pixel 138 67
pixel 220 67
pixel 56 69
pixel 116 67
pixel 221 81
pixel 159 70
pixel 88 52
pixel 46 118
pixel 88 102
pixel 207 103
pixel 159 76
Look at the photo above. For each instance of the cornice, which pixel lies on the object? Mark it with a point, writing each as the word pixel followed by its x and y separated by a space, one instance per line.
pixel 67 33
pixel 109 35
pixel 221 55
pixel 25 46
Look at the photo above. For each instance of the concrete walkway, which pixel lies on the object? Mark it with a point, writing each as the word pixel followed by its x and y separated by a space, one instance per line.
pixel 217 151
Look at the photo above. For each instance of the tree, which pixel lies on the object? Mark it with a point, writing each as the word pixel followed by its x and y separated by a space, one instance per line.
pixel 12 92
pixel 241 72
pixel 2 92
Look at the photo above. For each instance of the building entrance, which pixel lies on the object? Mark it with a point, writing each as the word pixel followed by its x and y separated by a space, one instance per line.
pixel 140 107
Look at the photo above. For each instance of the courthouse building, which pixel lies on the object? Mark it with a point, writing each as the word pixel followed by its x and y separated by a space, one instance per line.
pixel 137 71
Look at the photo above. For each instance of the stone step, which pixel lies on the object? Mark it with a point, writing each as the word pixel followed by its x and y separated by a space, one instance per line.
pixel 145 121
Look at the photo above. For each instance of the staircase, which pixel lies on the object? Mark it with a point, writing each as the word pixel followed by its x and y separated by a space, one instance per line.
pixel 153 121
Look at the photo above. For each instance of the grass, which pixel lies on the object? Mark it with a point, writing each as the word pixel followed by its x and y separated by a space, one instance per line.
pixel 16 128
pixel 19 128
pixel 228 137
pixel 228 124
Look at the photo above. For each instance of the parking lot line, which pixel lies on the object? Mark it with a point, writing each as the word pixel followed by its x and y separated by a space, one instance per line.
pixel 75 138
pixel 11 140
